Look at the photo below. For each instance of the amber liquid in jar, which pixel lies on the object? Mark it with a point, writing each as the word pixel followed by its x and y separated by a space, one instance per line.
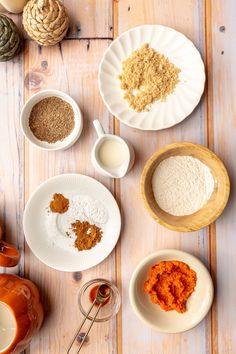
pixel 93 293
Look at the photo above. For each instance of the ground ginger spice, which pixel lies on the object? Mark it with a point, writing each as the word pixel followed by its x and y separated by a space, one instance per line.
pixel 147 76
pixel 170 283
pixel 59 204
pixel 87 235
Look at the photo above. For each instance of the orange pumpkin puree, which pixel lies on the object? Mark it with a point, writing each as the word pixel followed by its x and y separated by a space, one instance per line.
pixel 170 284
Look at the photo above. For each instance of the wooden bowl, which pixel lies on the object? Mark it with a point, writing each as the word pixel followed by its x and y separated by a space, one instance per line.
pixel 210 211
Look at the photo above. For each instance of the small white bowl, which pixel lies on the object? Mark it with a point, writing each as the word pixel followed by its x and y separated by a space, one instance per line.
pixel 198 304
pixel 59 145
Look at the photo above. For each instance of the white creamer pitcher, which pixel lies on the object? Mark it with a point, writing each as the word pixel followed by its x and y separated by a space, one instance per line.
pixel 111 155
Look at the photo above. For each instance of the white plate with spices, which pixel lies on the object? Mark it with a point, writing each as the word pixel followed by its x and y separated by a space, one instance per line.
pixel 50 235
pixel 69 137
pixel 179 50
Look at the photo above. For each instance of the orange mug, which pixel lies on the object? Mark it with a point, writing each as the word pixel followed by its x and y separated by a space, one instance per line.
pixel 21 312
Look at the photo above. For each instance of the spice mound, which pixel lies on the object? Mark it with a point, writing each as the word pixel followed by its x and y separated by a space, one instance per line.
pixel 51 119
pixel 59 204
pixel 182 185
pixel 87 235
pixel 78 225
pixel 170 284
pixel 147 76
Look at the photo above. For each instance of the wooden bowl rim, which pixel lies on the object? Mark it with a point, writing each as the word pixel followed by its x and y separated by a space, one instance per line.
pixel 149 164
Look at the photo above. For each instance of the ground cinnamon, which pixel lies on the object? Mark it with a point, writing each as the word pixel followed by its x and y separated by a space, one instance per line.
pixel 87 235
pixel 59 204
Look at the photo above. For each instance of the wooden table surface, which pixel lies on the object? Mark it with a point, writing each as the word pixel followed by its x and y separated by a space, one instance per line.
pixel 72 66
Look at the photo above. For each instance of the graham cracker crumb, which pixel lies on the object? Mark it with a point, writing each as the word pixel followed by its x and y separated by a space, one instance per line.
pixel 147 76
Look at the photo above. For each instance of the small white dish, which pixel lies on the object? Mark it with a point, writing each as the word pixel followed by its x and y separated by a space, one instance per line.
pixel 198 304
pixel 14 6
pixel 59 145
pixel 127 151
pixel 179 50
pixel 36 217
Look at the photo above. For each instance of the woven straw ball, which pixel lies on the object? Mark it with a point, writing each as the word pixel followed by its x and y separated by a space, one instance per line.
pixel 45 21
pixel 10 41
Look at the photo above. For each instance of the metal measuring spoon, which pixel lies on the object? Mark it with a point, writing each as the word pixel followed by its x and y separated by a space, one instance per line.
pixel 102 295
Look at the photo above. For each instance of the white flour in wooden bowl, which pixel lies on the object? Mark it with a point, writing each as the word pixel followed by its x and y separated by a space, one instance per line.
pixel 182 185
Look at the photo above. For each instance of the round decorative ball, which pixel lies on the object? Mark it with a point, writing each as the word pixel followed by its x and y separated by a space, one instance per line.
pixel 10 41
pixel 45 21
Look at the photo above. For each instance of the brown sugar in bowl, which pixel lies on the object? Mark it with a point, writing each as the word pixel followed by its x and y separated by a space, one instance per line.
pixel 210 211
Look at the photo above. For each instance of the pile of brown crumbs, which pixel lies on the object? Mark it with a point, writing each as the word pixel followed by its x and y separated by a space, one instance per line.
pixel 87 235
pixel 59 204
pixel 147 76
pixel 51 119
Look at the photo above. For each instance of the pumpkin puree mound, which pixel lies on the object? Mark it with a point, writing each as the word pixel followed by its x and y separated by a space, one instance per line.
pixel 170 284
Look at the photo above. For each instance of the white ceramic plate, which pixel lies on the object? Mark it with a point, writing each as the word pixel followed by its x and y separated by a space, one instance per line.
pixel 180 51
pixel 36 229
pixel 198 303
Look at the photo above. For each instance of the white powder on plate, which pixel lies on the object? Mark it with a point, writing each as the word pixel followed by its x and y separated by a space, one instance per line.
pixel 85 208
pixel 58 231
pixel 182 185
pixel 81 207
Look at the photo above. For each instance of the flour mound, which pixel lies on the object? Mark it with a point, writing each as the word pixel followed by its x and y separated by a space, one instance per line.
pixel 182 185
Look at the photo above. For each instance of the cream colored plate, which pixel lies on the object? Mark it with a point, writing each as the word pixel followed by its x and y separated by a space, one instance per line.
pixel 39 237
pixel 198 304
pixel 180 51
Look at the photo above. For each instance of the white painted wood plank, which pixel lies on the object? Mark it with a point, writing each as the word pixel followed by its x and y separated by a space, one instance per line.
pixel 71 67
pixel 11 156
pixel 224 113
pixel 141 235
